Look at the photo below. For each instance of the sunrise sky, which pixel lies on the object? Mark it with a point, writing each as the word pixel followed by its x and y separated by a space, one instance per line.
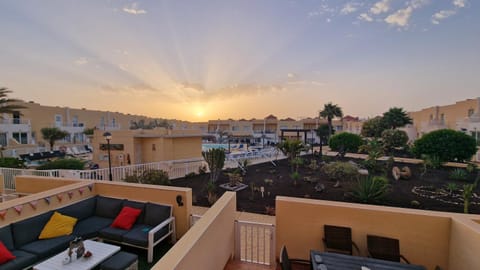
pixel 199 60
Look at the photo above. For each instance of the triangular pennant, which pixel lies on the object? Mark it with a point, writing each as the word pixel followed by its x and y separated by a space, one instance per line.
pixel 90 187
pixel 18 208
pixel 70 194
pixel 3 213
pixel 47 200
pixel 59 197
pixel 80 190
pixel 33 204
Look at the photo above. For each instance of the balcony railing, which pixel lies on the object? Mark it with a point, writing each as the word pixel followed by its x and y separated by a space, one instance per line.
pixel 14 121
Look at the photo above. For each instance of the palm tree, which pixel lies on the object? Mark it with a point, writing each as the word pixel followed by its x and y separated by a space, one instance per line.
pixel 396 117
pixel 291 149
pixel 331 111
pixel 7 104
pixel 52 135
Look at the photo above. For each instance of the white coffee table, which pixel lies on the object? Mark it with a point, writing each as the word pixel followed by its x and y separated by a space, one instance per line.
pixel 100 252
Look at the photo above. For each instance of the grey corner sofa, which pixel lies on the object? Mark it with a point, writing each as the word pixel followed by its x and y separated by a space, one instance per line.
pixel 94 215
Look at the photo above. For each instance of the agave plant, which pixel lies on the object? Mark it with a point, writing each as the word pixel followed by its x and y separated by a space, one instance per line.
pixel 371 189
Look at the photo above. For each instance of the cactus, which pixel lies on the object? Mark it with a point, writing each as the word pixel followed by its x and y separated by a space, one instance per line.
pixel 215 159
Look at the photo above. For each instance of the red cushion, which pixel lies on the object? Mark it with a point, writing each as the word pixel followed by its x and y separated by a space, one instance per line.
pixel 126 218
pixel 5 254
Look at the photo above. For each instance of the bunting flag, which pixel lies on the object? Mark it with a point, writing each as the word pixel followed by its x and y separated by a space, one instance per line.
pixel 80 190
pixel 90 187
pixel 70 194
pixel 18 208
pixel 60 197
pixel 33 204
pixel 47 200
pixel 3 213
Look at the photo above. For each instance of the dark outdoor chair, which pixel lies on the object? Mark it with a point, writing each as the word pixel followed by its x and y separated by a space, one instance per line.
pixel 286 263
pixel 384 248
pixel 338 239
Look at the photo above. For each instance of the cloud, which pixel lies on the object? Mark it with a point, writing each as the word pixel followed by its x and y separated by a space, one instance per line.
pixel 81 61
pixel 441 15
pixel 133 9
pixel 322 10
pixel 365 17
pixel 400 17
pixel 349 8
pixel 417 3
pixel 314 83
pixel 380 7
pixel 134 89
pixel 459 3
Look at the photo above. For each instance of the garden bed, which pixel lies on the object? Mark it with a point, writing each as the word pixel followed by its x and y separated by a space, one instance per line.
pixel 281 184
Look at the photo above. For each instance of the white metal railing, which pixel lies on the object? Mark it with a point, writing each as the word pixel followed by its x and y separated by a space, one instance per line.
pixel 255 242
pixel 174 168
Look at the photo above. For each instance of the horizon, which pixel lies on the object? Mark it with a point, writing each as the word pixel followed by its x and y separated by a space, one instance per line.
pixel 200 61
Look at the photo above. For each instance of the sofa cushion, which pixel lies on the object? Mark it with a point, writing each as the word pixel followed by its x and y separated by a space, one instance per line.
pixel 138 235
pixel 28 230
pixel 156 213
pixel 48 247
pixel 58 225
pixel 23 260
pixel 6 237
pixel 89 227
pixel 110 233
pixel 126 218
pixel 108 207
pixel 80 210
pixel 5 254
pixel 138 205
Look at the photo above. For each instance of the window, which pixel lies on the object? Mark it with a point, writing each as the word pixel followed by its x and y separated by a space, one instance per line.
pixel 3 139
pixel 21 137
pixel 154 147
pixel 114 122
pixel 470 112
pixel 246 128
pixel 75 121
pixel 102 121
pixel 58 120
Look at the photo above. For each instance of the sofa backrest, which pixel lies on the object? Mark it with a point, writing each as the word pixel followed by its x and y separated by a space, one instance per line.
pixel 6 237
pixel 80 210
pixel 108 207
pixel 28 230
pixel 137 205
pixel 157 213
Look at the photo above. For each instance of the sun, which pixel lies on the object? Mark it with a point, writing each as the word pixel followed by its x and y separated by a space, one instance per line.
pixel 199 113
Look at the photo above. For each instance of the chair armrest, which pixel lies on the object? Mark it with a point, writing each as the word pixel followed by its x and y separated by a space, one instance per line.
pixel 405 259
pixel 161 225
pixel 356 247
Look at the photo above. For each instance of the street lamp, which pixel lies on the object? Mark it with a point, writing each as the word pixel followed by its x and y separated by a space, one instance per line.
pixel 108 136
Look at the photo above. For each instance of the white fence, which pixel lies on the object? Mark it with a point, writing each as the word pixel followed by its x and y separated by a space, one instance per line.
pixel 255 242
pixel 174 168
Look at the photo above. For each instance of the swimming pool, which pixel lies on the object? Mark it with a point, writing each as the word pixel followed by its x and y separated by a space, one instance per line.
pixel 208 146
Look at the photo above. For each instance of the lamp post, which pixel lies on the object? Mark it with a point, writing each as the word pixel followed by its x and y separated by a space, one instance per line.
pixel 108 136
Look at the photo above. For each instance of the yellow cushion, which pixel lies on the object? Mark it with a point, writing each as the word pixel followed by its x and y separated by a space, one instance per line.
pixel 58 225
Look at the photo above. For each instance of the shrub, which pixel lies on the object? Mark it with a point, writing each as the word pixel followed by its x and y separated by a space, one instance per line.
pixel 63 163
pixel 394 138
pixel 458 174
pixel 430 162
pixel 152 177
pixel 340 171
pixel 345 142
pixel 371 189
pixel 451 187
pixel 447 144
pixel 10 162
